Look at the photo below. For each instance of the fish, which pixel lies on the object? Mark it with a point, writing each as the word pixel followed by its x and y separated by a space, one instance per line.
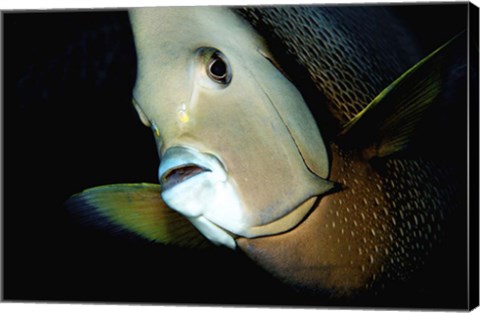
pixel 245 164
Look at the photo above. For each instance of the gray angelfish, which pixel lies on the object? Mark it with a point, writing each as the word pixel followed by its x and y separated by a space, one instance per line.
pixel 244 164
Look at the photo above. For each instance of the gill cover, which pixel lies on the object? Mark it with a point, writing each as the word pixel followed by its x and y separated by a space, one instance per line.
pixel 240 116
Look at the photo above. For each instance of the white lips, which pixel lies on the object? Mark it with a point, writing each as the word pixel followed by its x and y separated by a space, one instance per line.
pixel 208 199
pixel 179 156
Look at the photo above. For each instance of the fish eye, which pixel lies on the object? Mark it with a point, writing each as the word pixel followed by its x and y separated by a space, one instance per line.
pixel 218 68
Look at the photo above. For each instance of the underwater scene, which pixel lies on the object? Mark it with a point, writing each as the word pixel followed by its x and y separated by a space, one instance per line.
pixel 302 155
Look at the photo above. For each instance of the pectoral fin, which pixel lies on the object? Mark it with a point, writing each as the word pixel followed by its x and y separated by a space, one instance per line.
pixel 388 122
pixel 137 208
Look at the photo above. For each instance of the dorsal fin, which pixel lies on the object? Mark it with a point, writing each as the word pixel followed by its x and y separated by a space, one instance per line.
pixel 386 124
pixel 137 208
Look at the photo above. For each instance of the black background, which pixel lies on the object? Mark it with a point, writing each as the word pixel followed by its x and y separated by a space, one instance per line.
pixel 69 125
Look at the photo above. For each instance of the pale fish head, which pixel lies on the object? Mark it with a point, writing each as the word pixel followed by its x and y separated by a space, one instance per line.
pixel 240 152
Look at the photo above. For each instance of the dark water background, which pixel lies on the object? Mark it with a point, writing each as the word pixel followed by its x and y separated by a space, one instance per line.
pixel 69 125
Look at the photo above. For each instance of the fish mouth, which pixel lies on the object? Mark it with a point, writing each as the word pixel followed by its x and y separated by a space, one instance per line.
pixel 196 184
pixel 179 174
pixel 180 164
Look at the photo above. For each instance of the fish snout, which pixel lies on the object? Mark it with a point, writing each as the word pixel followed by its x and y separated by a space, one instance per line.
pixel 186 176
pixel 176 175
pixel 180 163
pixel 196 185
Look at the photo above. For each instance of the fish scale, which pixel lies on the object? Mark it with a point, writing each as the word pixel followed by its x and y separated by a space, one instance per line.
pixel 330 32
pixel 368 245
pixel 426 179
pixel 351 254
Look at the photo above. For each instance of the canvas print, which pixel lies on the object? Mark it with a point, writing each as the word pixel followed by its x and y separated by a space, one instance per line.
pixel 302 155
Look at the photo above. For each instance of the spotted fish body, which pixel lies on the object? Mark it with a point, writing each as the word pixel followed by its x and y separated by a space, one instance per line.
pixel 387 209
pixel 378 228
pixel 390 212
